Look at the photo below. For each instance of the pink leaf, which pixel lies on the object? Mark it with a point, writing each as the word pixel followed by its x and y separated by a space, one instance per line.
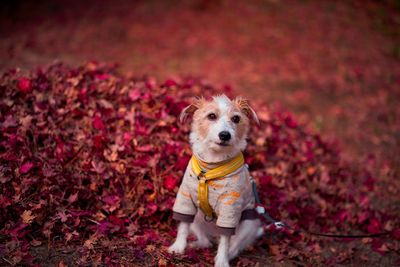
pixel 72 198
pixel 134 94
pixel 26 167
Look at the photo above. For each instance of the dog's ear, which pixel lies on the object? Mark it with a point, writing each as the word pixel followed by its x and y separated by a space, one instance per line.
pixel 191 108
pixel 244 106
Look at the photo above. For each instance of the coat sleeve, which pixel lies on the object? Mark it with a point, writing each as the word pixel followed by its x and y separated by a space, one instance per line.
pixel 184 208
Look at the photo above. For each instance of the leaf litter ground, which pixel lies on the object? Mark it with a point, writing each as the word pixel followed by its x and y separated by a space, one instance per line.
pixel 91 160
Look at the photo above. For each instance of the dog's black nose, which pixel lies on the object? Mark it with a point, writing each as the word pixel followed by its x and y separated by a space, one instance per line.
pixel 224 136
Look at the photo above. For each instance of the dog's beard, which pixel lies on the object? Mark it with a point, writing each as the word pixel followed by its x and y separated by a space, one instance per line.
pixel 210 150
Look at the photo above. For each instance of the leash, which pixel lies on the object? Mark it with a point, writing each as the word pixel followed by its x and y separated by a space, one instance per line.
pixel 279 225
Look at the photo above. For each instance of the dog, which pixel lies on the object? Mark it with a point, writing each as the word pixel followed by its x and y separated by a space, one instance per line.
pixel 215 197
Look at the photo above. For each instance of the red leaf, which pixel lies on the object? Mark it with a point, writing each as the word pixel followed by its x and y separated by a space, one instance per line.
pixel 169 83
pixel 26 167
pixel 170 182
pixel 151 209
pixel 396 234
pixel 98 123
pixel 145 148
pixel 374 226
pixel 24 85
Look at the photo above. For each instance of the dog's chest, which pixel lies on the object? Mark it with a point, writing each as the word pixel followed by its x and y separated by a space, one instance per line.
pixel 225 189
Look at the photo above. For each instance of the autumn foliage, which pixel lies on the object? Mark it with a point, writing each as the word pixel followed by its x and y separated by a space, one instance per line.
pixel 92 159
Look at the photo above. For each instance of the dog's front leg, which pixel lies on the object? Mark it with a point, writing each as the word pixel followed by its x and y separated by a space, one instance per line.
pixel 222 260
pixel 181 239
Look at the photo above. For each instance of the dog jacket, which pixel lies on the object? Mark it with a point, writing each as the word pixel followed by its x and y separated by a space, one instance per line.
pixel 231 198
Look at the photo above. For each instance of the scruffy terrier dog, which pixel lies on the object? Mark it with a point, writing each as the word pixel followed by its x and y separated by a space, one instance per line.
pixel 216 196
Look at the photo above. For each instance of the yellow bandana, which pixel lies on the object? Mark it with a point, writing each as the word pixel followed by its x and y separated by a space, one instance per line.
pixel 218 172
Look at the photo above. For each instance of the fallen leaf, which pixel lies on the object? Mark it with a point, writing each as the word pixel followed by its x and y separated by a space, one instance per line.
pixel 27 217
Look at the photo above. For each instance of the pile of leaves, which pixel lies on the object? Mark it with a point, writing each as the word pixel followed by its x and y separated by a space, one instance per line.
pixel 92 159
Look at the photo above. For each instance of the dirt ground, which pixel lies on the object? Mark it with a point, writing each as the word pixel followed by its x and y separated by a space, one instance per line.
pixel 335 65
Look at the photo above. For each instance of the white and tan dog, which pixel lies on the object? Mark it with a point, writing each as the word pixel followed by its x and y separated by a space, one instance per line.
pixel 218 136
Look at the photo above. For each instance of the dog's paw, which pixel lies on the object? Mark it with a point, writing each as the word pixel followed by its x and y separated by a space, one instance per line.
pixel 233 252
pixel 221 262
pixel 260 232
pixel 201 244
pixel 177 248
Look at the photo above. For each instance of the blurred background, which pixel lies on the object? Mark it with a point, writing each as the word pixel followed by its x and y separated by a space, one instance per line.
pixel 335 64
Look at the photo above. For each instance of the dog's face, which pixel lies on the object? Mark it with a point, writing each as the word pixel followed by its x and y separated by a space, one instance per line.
pixel 220 127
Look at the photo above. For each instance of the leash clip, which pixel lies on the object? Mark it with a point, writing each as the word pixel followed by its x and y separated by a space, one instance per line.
pixel 279 225
pixel 260 209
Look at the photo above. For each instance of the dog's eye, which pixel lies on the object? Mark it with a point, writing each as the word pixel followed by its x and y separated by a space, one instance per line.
pixel 212 116
pixel 235 119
